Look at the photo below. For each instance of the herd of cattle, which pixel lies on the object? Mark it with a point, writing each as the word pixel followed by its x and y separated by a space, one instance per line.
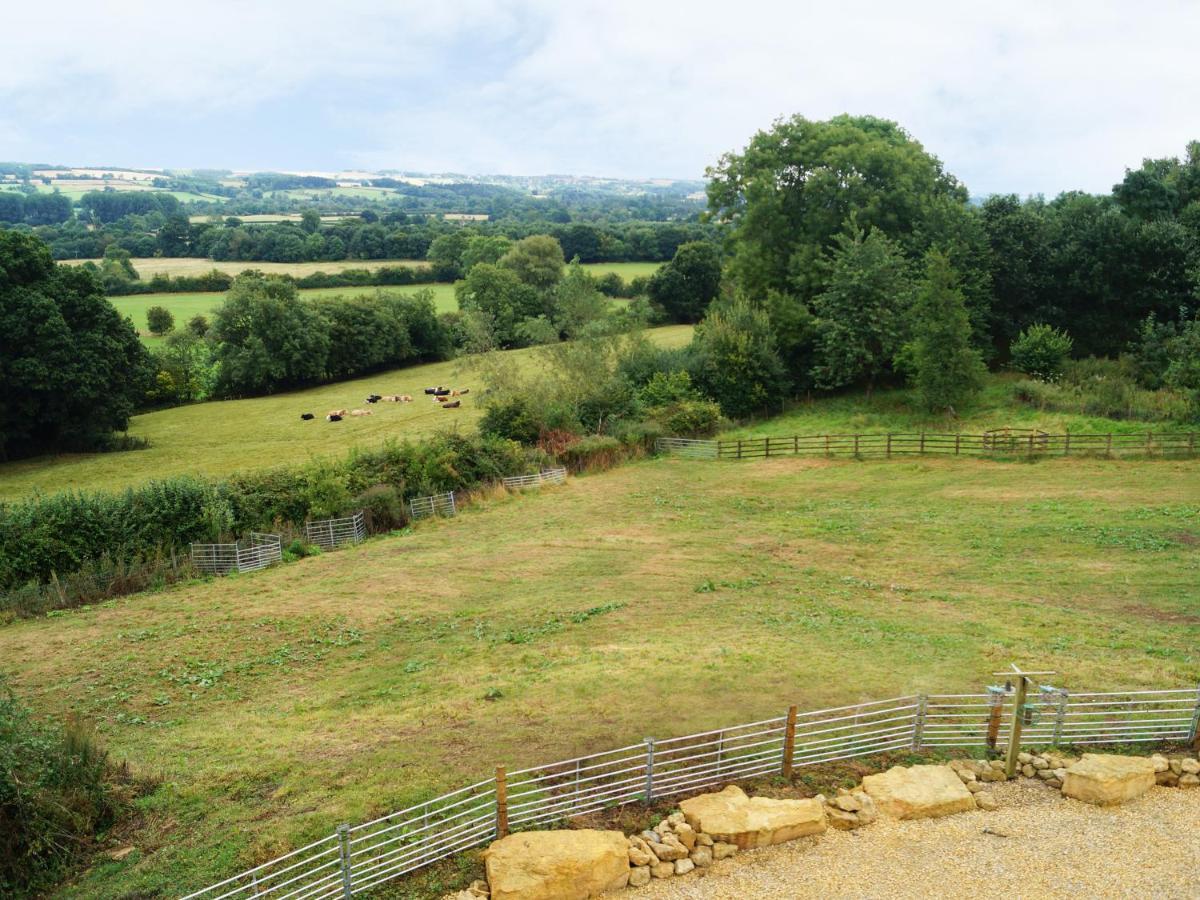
pixel 441 395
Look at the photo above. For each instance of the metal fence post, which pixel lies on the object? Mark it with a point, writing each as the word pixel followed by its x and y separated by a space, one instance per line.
pixel 649 770
pixel 343 833
pixel 919 721
pixel 501 802
pixel 1194 732
pixel 789 741
pixel 1060 712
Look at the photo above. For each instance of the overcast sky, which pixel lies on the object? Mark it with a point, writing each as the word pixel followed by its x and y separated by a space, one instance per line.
pixel 1018 96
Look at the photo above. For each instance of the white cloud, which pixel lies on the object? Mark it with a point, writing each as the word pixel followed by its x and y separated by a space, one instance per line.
pixel 1026 96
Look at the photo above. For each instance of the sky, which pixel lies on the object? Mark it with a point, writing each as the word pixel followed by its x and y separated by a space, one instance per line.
pixel 1020 97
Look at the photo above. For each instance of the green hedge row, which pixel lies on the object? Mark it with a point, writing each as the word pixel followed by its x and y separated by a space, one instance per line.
pixel 47 536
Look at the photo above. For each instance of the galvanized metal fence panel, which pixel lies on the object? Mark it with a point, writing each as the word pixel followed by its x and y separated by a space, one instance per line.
pixel 353 860
pixel 696 449
pixel 255 552
pixel 433 505
pixel 537 479
pixel 329 534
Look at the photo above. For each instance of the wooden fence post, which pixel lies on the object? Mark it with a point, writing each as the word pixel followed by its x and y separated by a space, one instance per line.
pixel 1191 443
pixel 739 452
pixel 501 802
pixel 795 445
pixel 789 742
pixel 856 445
pixel 1016 727
pixel 889 445
pixel 1108 450
pixel 922 443
pixel 957 442
pixel 1149 443
pixel 1067 444
pixel 996 698
pixel 826 446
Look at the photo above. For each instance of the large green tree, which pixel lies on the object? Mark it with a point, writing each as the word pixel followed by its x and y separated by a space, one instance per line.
pixel 71 369
pixel 686 285
pixel 944 368
pixel 537 260
pixel 499 295
pixel 788 195
pixel 863 313
pixel 735 361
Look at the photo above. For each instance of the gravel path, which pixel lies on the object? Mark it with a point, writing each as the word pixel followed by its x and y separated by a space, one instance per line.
pixel 1055 847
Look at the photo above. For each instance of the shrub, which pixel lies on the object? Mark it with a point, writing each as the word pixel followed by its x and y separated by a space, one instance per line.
pixel 690 418
pixel 53 798
pixel 1041 351
pixel 600 451
pixel 383 507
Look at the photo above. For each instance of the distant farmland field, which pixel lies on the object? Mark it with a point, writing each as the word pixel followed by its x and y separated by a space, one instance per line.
pixel 148 267
pixel 222 437
pixel 185 305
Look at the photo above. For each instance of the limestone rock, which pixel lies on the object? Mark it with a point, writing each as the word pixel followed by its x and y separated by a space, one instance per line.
pixel 1176 766
pixel 985 801
pixel 847 803
pixel 1024 758
pixel 1055 782
pixel 918 792
pixel 479 888
pixel 1189 766
pixel 670 850
pixel 1105 779
pixel 841 819
pixel 639 876
pixel 663 870
pixel 1027 770
pixel 975 786
pixel 1190 780
pixel 868 812
pixel 675 818
pixel 557 865
pixel 702 857
pixel 704 840
pixel 1040 762
pixel 1161 763
pixel 732 817
pixel 1167 778
pixel 686 835
pixel 683 866
pixel 639 857
pixel 721 850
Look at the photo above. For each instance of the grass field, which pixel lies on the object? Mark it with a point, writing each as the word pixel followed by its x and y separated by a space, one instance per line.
pixel 895 410
pixel 661 598
pixel 185 305
pixel 221 437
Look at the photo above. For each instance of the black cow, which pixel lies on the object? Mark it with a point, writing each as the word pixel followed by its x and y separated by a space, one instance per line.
pixel 453 404
pixel 374 398
pixel 307 416
pixel 431 390
pixel 333 418
pixel 442 392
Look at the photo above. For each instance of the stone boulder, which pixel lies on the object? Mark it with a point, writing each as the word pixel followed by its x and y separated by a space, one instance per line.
pixel 1105 779
pixel 918 792
pixel 733 818
pixel 557 865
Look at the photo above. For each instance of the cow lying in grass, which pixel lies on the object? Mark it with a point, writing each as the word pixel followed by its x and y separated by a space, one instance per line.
pixel 336 412
pixel 451 404
pixel 360 412
pixel 307 416
pixel 333 417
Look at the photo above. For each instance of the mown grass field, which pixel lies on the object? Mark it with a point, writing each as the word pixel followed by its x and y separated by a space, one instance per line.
pixel 895 410
pixel 661 598
pixel 222 437
pixel 185 305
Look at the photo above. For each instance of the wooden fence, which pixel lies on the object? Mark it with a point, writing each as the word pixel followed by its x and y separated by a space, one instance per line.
pixel 355 859
pixel 997 444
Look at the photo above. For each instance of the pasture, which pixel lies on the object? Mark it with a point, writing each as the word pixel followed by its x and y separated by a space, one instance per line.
pixel 185 305
pixel 148 267
pixel 221 437
pixel 660 598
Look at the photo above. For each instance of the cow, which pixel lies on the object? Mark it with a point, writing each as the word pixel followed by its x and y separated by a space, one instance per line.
pixel 430 390
pixel 374 398
pixel 336 412
pixel 333 417
pixel 442 392
pixel 460 393
pixel 307 416
pixel 452 404
pixel 405 398
pixel 360 412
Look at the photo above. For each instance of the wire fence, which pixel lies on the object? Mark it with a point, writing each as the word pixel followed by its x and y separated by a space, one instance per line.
pixel 329 534
pixel 254 552
pixel 1003 442
pixel 537 479
pixel 354 859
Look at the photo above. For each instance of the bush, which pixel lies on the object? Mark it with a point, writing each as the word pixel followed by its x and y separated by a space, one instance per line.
pixel 383 507
pixel 689 418
pixel 1041 351
pixel 159 320
pixel 54 797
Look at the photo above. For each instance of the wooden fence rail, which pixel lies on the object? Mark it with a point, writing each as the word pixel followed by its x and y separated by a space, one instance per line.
pixel 925 443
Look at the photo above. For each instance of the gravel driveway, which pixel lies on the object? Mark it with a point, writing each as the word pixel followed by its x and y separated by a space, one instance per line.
pixel 1055 847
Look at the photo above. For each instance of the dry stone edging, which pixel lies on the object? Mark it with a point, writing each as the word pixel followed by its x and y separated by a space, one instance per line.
pixel 715 826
